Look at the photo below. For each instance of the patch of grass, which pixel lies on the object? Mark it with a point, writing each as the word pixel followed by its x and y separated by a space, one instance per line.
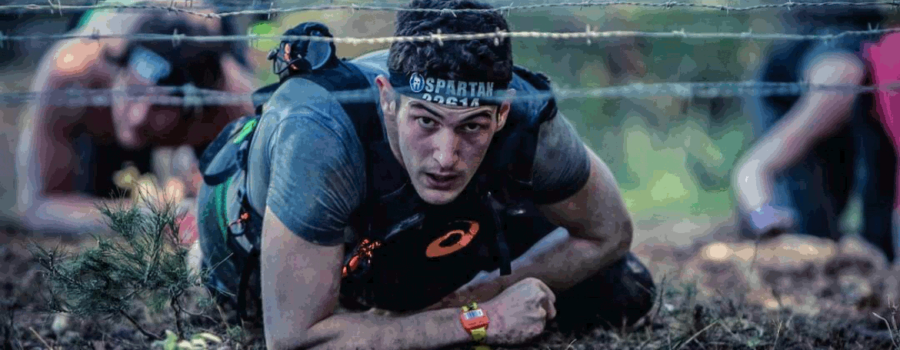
pixel 682 320
pixel 142 264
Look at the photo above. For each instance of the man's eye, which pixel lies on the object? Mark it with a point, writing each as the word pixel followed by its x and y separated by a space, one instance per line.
pixel 472 127
pixel 426 122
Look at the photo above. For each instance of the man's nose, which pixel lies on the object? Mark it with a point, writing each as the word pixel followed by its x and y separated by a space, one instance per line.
pixel 446 149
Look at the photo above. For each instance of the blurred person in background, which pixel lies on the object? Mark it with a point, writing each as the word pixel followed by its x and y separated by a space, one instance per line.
pixel 68 155
pixel 816 150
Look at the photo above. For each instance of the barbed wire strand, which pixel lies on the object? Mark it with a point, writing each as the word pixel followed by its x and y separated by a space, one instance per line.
pixel 440 38
pixel 58 7
pixel 198 97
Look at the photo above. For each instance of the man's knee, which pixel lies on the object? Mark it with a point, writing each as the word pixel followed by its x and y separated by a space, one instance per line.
pixel 620 294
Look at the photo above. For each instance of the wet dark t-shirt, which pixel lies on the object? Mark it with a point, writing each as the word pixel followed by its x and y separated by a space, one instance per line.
pixel 307 164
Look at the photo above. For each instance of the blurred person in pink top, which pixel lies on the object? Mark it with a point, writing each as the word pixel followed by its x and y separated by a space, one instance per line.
pixel 817 150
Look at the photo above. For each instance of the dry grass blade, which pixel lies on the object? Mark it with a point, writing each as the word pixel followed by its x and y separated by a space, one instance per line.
pixel 893 337
pixel 696 335
pixel 41 339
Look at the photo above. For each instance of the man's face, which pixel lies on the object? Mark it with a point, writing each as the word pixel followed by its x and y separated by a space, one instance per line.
pixel 138 121
pixel 441 146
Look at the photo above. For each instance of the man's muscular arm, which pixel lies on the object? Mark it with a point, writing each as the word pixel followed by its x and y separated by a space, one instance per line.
pixel 815 116
pixel 317 179
pixel 598 228
pixel 301 282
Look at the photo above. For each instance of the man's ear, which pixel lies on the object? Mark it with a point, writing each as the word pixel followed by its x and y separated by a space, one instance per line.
pixel 386 96
pixel 503 110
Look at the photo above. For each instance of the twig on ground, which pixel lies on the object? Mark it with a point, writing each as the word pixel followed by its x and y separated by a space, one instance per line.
pixel 894 320
pixel 669 336
pixel 893 340
pixel 222 315
pixel 696 335
pixel 177 309
pixel 139 328
pixel 38 336
pixel 661 299
pixel 777 335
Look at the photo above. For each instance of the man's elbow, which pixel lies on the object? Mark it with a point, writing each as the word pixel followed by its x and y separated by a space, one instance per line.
pixel 276 341
pixel 615 237
pixel 324 334
pixel 279 344
pixel 624 236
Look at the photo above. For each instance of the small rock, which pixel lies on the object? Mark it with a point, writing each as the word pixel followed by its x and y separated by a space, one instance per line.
pixel 60 324
pixel 224 347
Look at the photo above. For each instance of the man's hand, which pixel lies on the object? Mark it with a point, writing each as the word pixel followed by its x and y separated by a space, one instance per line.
pixel 520 312
pixel 770 221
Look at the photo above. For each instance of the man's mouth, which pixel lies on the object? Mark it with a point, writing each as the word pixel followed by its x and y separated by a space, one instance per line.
pixel 441 181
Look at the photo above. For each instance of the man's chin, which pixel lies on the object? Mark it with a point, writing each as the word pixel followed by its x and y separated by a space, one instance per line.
pixel 437 197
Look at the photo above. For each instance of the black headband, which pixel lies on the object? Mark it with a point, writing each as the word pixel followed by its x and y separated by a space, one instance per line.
pixel 463 93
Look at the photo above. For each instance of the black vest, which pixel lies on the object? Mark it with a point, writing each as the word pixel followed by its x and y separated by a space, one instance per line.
pixel 407 254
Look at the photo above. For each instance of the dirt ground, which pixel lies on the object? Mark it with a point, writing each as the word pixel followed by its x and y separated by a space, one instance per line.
pixel 715 293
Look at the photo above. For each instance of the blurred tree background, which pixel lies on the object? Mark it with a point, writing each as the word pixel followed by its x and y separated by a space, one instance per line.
pixel 671 155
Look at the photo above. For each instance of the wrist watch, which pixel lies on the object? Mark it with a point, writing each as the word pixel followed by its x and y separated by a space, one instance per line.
pixel 475 321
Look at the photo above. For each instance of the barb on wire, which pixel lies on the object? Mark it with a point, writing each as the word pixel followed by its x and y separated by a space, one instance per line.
pixel 194 96
pixel 679 34
pixel 353 7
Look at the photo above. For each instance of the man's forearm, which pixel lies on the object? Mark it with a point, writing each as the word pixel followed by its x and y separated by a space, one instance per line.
pixel 367 330
pixel 755 176
pixel 67 215
pixel 560 260
pixel 754 185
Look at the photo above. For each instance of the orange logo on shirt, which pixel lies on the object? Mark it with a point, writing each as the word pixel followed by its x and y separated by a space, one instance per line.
pixel 453 241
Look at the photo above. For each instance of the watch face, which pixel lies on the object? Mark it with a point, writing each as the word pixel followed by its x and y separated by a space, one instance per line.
pixel 473 314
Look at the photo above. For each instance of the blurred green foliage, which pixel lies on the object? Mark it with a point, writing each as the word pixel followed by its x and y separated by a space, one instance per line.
pixel 672 156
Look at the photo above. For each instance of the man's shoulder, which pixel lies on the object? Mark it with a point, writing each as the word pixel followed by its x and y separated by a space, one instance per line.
pixel 534 101
pixel 372 64
pixel 303 101
pixel 375 61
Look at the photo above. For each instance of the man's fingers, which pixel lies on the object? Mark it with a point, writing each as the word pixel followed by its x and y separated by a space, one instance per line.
pixel 551 310
pixel 548 300
pixel 550 295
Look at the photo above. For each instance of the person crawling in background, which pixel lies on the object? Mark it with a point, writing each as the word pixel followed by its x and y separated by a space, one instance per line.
pixel 67 155
pixel 816 150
